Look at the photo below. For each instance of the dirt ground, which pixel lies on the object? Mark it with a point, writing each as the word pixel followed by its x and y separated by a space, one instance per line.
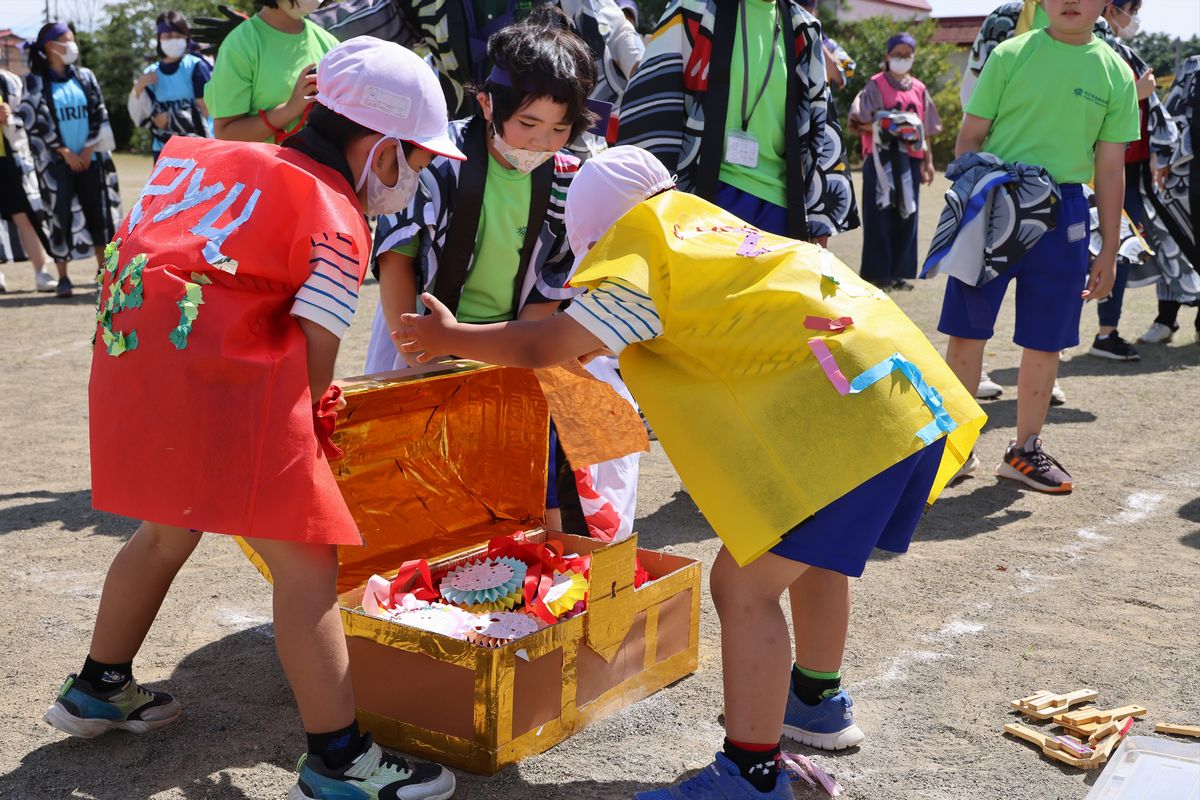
pixel 1003 592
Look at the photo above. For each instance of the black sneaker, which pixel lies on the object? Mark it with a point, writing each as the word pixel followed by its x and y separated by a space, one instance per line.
pixel 902 286
pixel 64 288
pixel 375 775
pixel 1031 466
pixel 1114 347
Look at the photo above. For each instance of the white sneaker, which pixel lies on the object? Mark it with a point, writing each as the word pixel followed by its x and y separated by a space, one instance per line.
pixel 966 470
pixel 988 388
pixel 45 281
pixel 3 283
pixel 1057 396
pixel 1158 333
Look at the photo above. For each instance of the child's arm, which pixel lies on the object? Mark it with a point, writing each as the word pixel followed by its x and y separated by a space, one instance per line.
pixel 971 135
pixel 517 344
pixel 1110 194
pixel 322 353
pixel 397 288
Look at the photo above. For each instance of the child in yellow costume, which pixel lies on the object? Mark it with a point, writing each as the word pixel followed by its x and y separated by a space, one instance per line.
pixel 809 418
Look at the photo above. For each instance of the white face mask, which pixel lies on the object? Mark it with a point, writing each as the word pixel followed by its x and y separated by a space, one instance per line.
pixel 384 199
pixel 69 51
pixel 524 160
pixel 173 48
pixel 1132 27
pixel 900 66
pixel 301 9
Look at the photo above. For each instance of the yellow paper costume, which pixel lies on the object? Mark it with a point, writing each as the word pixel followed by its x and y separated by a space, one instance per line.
pixel 757 428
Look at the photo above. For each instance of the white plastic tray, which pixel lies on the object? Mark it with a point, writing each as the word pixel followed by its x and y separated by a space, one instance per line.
pixel 1147 768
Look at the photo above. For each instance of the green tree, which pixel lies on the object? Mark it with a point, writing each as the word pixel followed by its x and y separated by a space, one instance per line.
pixel 866 41
pixel 1163 52
pixel 122 46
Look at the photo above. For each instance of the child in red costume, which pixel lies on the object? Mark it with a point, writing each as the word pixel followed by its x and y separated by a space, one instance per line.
pixel 224 298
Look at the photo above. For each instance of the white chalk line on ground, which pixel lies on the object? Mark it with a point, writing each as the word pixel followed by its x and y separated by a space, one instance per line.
pixel 1137 507
pixel 52 353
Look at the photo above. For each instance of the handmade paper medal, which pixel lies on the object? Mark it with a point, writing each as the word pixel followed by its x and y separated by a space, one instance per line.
pixel 500 628
pixel 567 589
pixel 490 584
pixel 438 618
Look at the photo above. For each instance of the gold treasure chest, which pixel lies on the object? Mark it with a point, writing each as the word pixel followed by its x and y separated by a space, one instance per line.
pixel 438 462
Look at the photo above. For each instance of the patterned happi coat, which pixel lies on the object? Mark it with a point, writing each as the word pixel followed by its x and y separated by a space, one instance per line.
pixel 663 111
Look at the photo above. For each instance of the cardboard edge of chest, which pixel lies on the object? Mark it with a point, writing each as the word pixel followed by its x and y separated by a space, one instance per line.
pixel 468 444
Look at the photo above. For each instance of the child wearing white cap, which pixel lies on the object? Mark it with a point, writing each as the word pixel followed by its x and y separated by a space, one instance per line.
pixel 763 365
pixel 224 299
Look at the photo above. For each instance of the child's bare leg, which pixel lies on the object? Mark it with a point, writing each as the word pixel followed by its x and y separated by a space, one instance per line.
pixel 755 651
pixel 137 582
pixel 965 357
pixel 1034 384
pixel 308 631
pixel 30 242
pixel 820 618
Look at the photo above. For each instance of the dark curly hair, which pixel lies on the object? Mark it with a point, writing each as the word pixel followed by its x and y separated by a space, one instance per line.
pixel 543 57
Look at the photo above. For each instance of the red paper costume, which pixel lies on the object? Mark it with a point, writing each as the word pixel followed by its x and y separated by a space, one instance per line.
pixel 201 415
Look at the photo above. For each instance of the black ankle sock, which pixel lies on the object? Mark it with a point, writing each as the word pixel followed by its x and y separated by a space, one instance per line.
pixel 759 767
pixel 338 748
pixel 812 690
pixel 106 678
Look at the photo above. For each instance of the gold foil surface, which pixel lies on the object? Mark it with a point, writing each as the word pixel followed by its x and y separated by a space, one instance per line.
pixel 594 423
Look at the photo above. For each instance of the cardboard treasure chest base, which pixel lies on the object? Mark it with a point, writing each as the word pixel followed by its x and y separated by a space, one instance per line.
pixel 438 462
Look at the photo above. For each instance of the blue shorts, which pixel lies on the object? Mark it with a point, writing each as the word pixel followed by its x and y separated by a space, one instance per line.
pixel 883 512
pixel 1049 280
pixel 758 212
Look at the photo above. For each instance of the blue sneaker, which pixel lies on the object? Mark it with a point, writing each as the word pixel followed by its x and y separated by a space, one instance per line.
pixel 374 775
pixel 80 711
pixel 720 780
pixel 829 725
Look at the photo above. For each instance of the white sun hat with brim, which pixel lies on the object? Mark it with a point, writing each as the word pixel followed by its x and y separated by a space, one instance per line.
pixel 606 187
pixel 388 88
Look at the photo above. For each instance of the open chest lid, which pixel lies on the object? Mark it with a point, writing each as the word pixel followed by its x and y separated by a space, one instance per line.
pixel 438 458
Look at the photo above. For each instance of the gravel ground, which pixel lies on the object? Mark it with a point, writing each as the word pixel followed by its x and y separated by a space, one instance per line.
pixel 1003 592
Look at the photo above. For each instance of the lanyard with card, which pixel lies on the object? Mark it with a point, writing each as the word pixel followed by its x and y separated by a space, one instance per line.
pixel 741 146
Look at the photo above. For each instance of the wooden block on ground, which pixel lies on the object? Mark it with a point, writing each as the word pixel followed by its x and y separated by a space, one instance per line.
pixel 1177 730
pixel 1047 705
pixel 1050 747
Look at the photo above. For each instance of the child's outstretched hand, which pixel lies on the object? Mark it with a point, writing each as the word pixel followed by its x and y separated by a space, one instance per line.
pixel 429 334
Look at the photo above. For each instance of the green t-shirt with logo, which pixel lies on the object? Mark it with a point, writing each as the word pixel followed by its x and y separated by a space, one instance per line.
pixel 257 67
pixel 767 181
pixel 1050 103
pixel 487 295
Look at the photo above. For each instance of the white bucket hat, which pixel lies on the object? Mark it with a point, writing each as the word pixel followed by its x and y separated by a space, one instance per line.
pixel 606 187
pixel 389 89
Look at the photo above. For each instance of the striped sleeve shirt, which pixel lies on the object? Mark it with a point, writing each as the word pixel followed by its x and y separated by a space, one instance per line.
pixel 330 295
pixel 617 314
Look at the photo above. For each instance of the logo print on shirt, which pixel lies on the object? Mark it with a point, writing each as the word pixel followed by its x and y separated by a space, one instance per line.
pixel 1089 96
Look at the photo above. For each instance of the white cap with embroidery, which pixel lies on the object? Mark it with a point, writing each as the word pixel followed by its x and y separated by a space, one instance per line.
pixel 389 89
pixel 606 187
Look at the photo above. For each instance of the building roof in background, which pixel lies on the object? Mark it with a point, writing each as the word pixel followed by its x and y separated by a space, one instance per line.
pixel 960 31
pixel 915 5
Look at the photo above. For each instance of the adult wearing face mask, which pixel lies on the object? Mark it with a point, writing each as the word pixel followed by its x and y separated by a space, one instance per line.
pixel 168 98
pixel 895 116
pixel 208 333
pixel 67 122
pixel 265 76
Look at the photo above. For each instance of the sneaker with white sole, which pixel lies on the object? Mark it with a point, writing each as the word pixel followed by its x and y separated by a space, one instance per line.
pixel 63 288
pixel 1158 333
pixel 1031 466
pixel 1114 348
pixel 81 711
pixel 988 388
pixel 1057 396
pixel 829 725
pixel 45 282
pixel 967 470
pixel 374 775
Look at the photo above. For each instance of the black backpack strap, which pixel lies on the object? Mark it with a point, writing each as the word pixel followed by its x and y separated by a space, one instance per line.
pixel 793 152
pixel 542 180
pixel 455 260
pixel 716 101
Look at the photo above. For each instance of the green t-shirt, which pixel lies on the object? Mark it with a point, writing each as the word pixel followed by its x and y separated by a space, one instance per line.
pixel 257 67
pixel 487 294
pixel 1050 103
pixel 767 181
